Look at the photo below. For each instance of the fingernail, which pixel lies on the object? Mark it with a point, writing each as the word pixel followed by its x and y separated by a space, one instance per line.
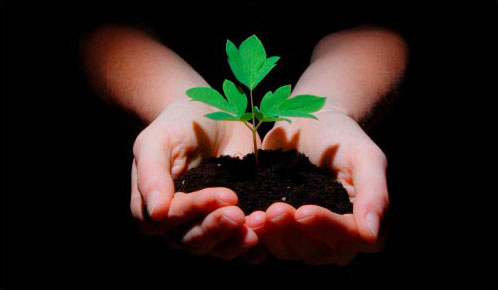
pixel 278 217
pixel 227 198
pixel 305 219
pixel 373 223
pixel 224 220
pixel 257 222
pixel 152 200
pixel 250 241
pixel 192 233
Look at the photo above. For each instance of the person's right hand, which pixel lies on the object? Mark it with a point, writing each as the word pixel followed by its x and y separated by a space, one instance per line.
pixel 202 222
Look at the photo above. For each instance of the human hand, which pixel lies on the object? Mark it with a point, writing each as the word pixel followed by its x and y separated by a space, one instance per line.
pixel 202 222
pixel 312 233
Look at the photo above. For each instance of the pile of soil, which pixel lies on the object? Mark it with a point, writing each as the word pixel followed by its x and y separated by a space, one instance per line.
pixel 281 176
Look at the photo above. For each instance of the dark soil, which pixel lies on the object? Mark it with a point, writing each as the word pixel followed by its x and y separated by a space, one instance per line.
pixel 282 176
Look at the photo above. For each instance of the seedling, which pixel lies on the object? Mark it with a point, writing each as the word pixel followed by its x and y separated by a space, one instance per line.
pixel 250 65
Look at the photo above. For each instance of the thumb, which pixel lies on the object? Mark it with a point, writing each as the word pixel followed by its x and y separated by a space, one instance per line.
pixel 154 180
pixel 371 200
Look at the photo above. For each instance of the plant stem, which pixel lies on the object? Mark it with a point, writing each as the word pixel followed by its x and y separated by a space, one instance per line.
pixel 254 130
pixel 259 124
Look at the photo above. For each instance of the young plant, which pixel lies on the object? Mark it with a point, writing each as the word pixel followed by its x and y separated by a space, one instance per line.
pixel 250 65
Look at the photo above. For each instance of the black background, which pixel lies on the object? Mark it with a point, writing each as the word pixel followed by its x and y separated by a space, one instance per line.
pixel 67 156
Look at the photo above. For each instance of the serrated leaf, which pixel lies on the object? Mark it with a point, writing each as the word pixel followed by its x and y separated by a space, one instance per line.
pixel 302 103
pixel 221 116
pixel 209 96
pixel 267 66
pixel 271 101
pixel 236 98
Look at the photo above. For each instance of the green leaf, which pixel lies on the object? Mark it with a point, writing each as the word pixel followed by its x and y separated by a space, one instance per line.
pixel 303 103
pixel 246 117
pixel 297 114
pixel 232 50
pixel 252 55
pixel 236 98
pixel 258 113
pixel 271 101
pixel 276 105
pixel 270 119
pixel 266 102
pixel 236 64
pixel 249 63
pixel 209 96
pixel 221 116
pixel 267 66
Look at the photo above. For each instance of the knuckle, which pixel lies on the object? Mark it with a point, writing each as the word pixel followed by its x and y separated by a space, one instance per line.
pixel 378 154
pixel 372 152
pixel 234 213
pixel 375 150
pixel 139 142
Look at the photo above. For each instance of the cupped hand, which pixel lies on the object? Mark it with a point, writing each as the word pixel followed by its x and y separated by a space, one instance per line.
pixel 206 221
pixel 314 234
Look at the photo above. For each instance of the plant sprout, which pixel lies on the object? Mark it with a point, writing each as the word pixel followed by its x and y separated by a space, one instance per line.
pixel 250 65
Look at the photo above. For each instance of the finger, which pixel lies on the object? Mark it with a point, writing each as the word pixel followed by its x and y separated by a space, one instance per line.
pixel 333 229
pixel 137 206
pixel 154 180
pixel 256 222
pixel 216 227
pixel 239 242
pixel 186 208
pixel 371 200
pixel 278 214
pixel 136 201
pixel 278 227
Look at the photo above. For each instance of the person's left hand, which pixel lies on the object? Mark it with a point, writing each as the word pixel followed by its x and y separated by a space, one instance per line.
pixel 314 234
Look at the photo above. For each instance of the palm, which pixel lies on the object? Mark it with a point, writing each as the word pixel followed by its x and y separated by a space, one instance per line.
pixel 312 233
pixel 191 137
pixel 179 139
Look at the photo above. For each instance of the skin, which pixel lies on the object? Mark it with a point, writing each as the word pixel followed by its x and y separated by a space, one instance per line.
pixel 354 69
pixel 132 70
